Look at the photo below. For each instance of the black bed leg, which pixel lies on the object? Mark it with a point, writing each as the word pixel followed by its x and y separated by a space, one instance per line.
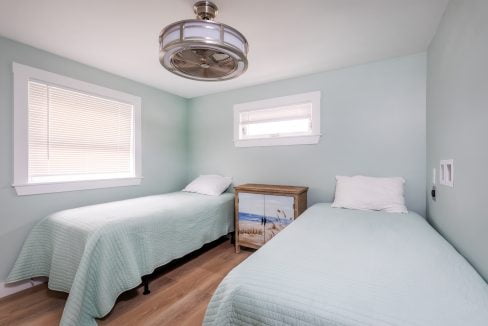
pixel 145 281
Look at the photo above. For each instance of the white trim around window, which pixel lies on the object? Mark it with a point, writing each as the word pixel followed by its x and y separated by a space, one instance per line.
pixel 21 76
pixel 303 107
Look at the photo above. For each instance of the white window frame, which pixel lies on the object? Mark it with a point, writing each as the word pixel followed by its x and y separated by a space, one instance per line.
pixel 21 76
pixel 313 138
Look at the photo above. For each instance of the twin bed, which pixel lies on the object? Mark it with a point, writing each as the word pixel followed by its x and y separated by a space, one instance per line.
pixel 96 252
pixel 330 267
pixel 347 267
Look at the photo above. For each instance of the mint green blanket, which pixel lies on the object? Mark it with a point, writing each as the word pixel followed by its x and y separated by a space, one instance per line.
pixel 97 252
pixel 345 267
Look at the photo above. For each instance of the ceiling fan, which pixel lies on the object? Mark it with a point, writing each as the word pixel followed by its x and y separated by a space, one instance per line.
pixel 202 49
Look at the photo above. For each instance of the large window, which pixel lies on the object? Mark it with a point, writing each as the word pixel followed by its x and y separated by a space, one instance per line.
pixel 288 120
pixel 71 135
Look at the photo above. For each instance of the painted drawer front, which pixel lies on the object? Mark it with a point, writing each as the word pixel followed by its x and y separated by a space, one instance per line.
pixel 279 213
pixel 251 218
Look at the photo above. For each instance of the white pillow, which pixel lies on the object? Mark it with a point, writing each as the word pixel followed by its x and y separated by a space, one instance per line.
pixel 212 185
pixel 368 193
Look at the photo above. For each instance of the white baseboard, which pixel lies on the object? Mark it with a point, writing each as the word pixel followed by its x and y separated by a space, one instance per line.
pixel 8 289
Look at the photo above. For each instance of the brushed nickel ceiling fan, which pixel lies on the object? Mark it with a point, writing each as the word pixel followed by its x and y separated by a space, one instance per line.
pixel 202 49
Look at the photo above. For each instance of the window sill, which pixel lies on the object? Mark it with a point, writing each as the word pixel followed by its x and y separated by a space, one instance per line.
pixel 283 141
pixel 43 188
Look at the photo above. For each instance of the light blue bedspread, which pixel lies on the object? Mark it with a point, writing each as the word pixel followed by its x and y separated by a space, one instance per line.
pixel 97 252
pixel 344 267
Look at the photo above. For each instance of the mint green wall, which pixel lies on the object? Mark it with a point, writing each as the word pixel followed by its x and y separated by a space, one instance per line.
pixel 373 122
pixel 457 127
pixel 163 137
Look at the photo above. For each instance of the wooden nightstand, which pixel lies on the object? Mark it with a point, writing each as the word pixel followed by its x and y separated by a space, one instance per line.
pixel 264 210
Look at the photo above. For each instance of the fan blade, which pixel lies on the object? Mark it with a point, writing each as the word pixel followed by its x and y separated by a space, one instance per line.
pixel 190 56
pixel 195 71
pixel 223 69
pixel 223 57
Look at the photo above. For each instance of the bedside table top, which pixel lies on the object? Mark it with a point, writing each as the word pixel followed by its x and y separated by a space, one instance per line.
pixel 264 188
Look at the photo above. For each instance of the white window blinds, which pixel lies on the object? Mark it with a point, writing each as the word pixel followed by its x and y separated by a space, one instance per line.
pixel 75 136
pixel 282 121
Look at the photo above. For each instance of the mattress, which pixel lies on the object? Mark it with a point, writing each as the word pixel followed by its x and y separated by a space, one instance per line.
pixel 344 267
pixel 97 252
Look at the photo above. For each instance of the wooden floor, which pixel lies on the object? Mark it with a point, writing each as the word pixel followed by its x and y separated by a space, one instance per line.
pixel 179 295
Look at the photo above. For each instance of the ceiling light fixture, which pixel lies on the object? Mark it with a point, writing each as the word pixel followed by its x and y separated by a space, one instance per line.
pixel 202 49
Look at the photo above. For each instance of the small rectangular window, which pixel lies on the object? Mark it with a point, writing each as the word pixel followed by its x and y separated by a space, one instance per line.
pixel 72 135
pixel 286 120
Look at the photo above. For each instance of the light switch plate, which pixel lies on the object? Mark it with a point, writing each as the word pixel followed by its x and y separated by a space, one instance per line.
pixel 447 173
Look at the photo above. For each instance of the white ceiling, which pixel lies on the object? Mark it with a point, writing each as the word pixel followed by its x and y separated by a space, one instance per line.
pixel 287 38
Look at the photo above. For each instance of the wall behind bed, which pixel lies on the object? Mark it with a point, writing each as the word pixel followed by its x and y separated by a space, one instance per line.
pixel 373 122
pixel 457 117
pixel 163 135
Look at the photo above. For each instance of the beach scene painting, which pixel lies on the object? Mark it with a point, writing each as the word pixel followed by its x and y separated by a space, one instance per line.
pixel 261 217
pixel 279 214
pixel 251 215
